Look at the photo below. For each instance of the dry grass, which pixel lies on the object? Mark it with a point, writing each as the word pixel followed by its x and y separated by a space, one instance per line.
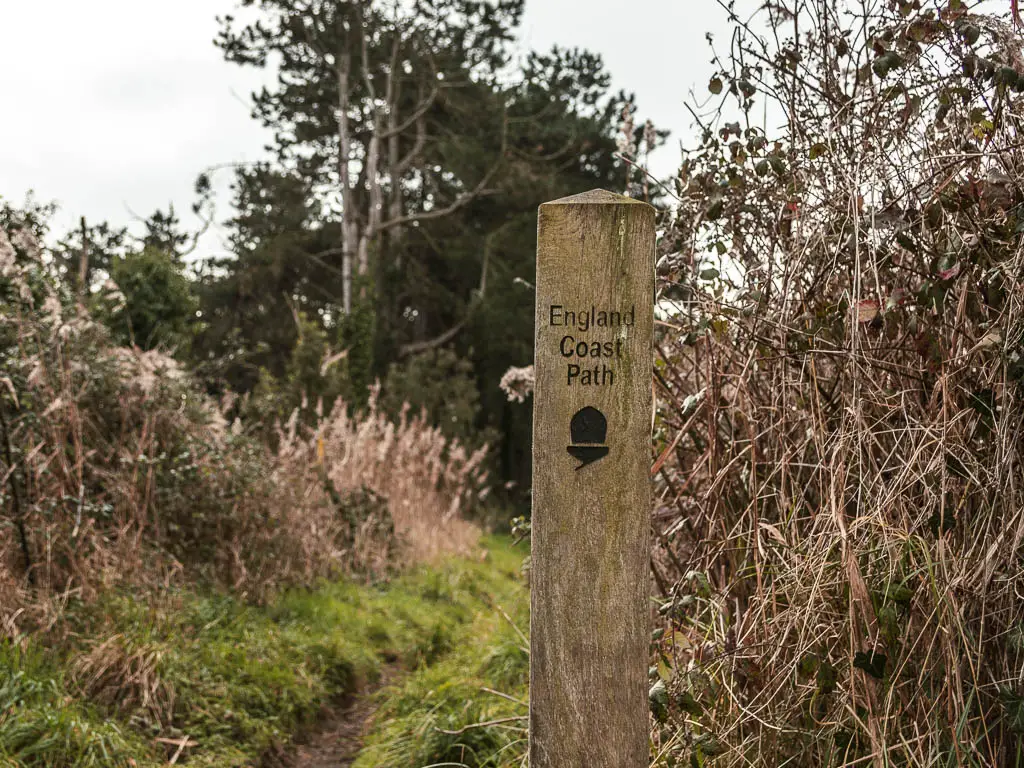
pixel 124 677
pixel 427 480
pixel 115 470
pixel 839 473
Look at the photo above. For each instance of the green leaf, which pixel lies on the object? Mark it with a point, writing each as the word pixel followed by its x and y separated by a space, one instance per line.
pixel 906 241
pixel 1006 76
pixel 818 150
pixel 808 664
pixel 827 678
pixel 686 702
pixel 657 698
pixel 716 85
pixel 709 274
pixel 665 672
pixel 885 63
pixel 690 403
pixel 871 662
pixel 708 745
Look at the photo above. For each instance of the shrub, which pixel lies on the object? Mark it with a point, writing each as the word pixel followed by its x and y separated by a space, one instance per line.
pixel 429 482
pixel 117 469
pixel 152 305
pixel 442 384
pixel 840 511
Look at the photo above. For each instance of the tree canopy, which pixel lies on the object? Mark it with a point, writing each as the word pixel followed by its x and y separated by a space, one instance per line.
pixel 411 147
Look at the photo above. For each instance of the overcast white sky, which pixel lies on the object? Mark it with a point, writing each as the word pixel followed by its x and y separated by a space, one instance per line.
pixel 111 107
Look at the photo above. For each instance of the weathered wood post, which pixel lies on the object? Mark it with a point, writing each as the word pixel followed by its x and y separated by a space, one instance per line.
pixel 589 627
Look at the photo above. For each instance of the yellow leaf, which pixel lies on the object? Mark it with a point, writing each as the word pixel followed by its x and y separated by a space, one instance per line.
pixel 681 640
pixel 665 672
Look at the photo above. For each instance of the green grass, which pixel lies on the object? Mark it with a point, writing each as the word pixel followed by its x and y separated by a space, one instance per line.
pixel 490 652
pixel 40 725
pixel 238 680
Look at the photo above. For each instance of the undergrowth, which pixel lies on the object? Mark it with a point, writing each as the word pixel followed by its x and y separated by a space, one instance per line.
pixel 838 507
pixel 470 708
pixel 117 470
pixel 224 682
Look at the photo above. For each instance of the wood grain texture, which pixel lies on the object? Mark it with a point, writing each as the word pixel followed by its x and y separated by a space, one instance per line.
pixel 591 526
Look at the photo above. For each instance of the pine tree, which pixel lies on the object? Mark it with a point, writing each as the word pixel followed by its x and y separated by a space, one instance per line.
pixel 409 157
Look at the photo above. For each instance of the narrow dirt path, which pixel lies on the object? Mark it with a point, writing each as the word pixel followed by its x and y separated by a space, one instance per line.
pixel 335 741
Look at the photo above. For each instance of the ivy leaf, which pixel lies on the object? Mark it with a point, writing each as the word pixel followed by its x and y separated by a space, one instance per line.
pixel 777 164
pixel 709 274
pixel 826 678
pixel 885 63
pixel 689 406
pixel 906 241
pixel 708 745
pixel 665 672
pixel 716 85
pixel 1013 707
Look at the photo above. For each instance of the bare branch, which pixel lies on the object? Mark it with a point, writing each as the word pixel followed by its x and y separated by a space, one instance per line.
pixel 416 347
pixel 460 202
pixel 421 110
pixel 406 162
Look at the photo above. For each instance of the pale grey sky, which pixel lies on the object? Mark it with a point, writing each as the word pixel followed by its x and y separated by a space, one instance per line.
pixel 114 106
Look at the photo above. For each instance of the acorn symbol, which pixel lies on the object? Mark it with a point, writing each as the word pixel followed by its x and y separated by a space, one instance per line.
pixel 588 430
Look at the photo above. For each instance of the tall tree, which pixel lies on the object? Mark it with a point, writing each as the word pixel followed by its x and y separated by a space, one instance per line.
pixel 410 153
pixel 357 83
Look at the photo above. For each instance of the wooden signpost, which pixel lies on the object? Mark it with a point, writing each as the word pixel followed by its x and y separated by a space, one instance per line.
pixel 589 626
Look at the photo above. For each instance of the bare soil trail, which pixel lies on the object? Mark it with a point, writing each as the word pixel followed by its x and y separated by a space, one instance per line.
pixel 335 739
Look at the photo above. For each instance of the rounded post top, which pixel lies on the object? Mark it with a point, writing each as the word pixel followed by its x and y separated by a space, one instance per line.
pixel 596 197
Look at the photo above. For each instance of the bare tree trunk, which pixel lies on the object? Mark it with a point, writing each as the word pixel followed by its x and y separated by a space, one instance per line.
pixel 83 264
pixel 373 177
pixel 376 198
pixel 349 220
pixel 395 200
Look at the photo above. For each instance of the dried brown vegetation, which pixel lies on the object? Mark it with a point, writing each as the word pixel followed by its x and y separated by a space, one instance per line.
pixel 839 471
pixel 116 470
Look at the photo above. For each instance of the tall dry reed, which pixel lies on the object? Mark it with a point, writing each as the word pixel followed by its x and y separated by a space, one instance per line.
pixel 428 480
pixel 115 469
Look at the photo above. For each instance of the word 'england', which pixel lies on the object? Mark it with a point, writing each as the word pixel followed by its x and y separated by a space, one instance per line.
pixel 585 350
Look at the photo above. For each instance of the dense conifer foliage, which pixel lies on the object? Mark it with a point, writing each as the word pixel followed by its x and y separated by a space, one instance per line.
pixel 411 149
